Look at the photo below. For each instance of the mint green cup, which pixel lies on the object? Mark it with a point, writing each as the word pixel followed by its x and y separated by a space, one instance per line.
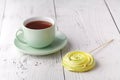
pixel 37 38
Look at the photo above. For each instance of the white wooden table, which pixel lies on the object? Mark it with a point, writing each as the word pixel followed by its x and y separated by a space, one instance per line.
pixel 86 23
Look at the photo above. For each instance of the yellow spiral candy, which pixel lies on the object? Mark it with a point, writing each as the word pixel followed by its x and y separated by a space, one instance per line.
pixel 78 61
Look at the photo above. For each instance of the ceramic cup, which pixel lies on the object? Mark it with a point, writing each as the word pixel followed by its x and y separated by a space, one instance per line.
pixel 37 38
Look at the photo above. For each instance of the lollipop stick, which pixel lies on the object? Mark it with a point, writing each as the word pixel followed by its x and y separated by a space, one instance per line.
pixel 102 46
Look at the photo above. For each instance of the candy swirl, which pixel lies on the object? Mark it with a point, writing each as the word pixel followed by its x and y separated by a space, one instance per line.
pixel 78 61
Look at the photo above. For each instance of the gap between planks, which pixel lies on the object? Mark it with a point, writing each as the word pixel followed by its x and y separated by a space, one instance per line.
pixel 106 4
pixel 3 15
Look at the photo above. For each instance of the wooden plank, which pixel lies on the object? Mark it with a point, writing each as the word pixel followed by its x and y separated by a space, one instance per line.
pixel 2 7
pixel 15 66
pixel 88 24
pixel 114 7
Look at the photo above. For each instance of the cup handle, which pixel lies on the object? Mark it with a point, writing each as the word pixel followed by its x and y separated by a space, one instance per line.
pixel 20 31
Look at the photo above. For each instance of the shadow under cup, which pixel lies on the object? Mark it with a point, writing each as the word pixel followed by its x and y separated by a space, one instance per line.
pixel 40 37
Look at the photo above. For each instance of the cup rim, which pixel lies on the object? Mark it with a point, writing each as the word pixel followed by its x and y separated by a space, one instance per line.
pixel 48 19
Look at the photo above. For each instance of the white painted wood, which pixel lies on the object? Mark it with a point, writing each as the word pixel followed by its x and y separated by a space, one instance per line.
pixel 87 24
pixel 14 65
pixel 2 7
pixel 114 6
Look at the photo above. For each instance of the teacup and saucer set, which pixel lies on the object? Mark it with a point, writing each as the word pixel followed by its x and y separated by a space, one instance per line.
pixel 39 37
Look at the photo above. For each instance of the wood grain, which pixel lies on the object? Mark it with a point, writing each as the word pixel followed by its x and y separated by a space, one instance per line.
pixel 2 8
pixel 88 24
pixel 14 65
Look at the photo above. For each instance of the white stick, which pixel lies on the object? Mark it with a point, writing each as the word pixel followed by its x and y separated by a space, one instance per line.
pixel 102 46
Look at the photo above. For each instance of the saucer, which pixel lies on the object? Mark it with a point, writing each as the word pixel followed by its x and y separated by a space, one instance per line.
pixel 59 43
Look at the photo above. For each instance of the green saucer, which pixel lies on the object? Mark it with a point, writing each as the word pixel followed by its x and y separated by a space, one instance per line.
pixel 59 43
